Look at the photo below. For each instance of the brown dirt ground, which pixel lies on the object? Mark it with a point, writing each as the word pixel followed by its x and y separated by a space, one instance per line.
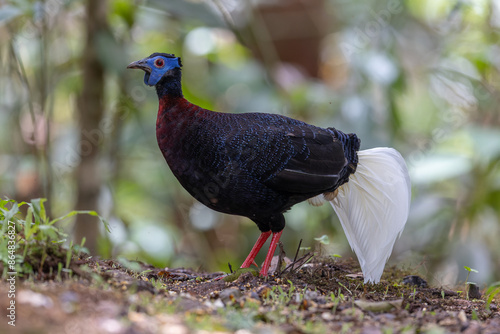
pixel 324 296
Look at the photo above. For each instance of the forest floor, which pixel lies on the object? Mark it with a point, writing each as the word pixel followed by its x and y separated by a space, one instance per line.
pixel 325 295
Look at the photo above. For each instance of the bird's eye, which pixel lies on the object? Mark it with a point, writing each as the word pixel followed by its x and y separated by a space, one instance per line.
pixel 159 62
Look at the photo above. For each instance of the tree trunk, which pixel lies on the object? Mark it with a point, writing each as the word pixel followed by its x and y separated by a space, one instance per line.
pixel 90 111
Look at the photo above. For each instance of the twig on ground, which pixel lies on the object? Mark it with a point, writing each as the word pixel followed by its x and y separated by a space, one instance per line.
pixel 301 261
pixel 296 254
pixel 281 256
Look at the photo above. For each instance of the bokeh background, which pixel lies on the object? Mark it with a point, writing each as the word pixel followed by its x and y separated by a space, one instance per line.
pixel 422 76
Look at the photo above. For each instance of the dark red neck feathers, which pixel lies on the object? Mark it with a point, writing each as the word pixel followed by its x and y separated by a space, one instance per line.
pixel 176 116
pixel 171 109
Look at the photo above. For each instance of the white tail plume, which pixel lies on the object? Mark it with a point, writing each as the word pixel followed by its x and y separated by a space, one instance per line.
pixel 373 207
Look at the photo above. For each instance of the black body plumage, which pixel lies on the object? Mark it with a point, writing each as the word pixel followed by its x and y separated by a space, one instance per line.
pixel 256 165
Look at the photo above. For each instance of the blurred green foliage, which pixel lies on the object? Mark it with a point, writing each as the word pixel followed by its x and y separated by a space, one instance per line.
pixel 419 75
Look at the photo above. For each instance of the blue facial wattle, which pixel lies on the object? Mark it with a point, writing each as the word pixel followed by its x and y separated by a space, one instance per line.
pixel 157 73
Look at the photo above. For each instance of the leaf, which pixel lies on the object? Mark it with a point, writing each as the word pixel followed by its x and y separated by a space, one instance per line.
pixel 469 269
pixel 48 232
pixel 492 291
pixel 9 214
pixel 103 221
pixel 86 212
pixel 323 239
pixel 28 228
pixel 68 215
pixel 39 210
pixel 493 286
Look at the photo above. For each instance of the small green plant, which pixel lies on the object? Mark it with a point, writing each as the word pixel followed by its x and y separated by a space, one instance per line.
pixel 323 239
pixel 157 284
pixel 469 270
pixel 291 289
pixel 467 283
pixel 342 285
pixel 474 315
pixel 31 243
pixel 386 292
pixel 340 296
pixel 336 301
pixel 59 271
pixel 145 272
pixel 492 291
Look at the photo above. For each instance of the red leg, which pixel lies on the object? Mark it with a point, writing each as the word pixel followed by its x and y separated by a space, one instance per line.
pixel 270 253
pixel 256 248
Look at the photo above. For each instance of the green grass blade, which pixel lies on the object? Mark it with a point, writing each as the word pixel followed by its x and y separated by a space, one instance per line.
pixel 39 210
pixel 28 229
pixel 77 212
